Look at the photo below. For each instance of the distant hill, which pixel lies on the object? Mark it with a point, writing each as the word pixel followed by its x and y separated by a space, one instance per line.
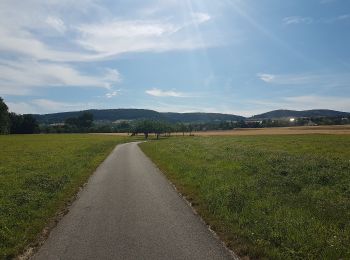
pixel 201 117
pixel 306 113
pixel 134 114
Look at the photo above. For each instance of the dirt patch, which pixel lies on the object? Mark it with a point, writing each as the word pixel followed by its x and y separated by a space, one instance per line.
pixel 117 134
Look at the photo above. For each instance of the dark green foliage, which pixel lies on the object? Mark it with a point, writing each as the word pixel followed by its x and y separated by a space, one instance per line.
pixel 83 121
pixel 274 197
pixel 124 120
pixel 23 124
pixel 298 114
pixel 4 118
pixel 147 127
pixel 138 114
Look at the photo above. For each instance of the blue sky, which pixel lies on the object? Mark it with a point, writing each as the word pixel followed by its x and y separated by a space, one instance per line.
pixel 231 56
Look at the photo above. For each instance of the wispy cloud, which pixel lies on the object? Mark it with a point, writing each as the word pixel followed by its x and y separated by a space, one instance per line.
pixel 266 77
pixel 112 94
pixel 22 77
pixel 314 102
pixel 199 18
pixel 320 79
pixel 338 18
pixel 304 102
pixel 116 37
pixel 40 106
pixel 297 20
pixel 163 93
pixel 293 20
pixel 31 58
pixel 56 23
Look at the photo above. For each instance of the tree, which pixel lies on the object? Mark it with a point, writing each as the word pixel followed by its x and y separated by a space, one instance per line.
pixel 80 123
pixel 29 124
pixel 4 118
pixel 145 127
pixel 190 128
pixel 23 124
pixel 86 120
pixel 183 128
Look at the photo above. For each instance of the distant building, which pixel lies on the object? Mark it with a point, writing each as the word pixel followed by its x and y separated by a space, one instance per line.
pixel 57 124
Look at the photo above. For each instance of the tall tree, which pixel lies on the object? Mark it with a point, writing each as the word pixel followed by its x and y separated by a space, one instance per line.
pixel 4 118
pixel 23 124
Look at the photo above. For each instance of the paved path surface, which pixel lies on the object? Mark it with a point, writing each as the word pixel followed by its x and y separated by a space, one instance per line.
pixel 128 210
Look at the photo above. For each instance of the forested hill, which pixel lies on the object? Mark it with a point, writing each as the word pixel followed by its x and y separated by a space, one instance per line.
pixel 134 114
pixel 306 113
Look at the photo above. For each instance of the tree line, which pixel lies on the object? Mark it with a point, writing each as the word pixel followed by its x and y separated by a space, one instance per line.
pixel 12 123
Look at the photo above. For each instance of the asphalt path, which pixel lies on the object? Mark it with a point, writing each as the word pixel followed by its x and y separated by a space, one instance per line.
pixel 128 210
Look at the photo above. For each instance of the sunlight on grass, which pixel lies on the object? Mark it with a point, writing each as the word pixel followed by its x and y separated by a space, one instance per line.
pixel 38 174
pixel 268 196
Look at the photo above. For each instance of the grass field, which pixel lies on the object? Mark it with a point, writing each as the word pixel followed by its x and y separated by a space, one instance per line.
pixel 276 197
pixel 38 175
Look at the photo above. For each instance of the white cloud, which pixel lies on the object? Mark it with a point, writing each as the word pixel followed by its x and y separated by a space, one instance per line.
pixel 338 18
pixel 112 94
pixel 304 102
pixel 42 106
pixel 161 93
pixel 309 20
pixel 297 20
pixel 56 23
pixel 38 106
pixel 43 42
pixel 25 44
pixel 18 77
pixel 22 108
pixel 122 36
pixel 200 17
pixel 343 17
pixel 266 77
pixel 24 31
pixel 319 102
pixel 321 79
pixel 53 106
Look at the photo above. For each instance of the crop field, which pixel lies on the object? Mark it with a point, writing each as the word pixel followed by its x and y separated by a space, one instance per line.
pixel 276 197
pixel 38 175
pixel 294 130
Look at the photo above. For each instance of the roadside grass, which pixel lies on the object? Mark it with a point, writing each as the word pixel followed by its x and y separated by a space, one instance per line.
pixel 38 175
pixel 275 197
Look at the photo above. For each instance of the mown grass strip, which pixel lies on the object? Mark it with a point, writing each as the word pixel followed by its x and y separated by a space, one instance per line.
pixel 276 197
pixel 38 175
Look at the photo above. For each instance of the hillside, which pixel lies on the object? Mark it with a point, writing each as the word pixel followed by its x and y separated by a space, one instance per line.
pixel 134 114
pixel 306 113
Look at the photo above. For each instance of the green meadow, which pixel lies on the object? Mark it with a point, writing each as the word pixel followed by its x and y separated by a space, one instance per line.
pixel 275 197
pixel 38 175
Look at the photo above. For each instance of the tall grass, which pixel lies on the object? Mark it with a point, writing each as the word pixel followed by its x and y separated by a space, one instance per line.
pixel 38 174
pixel 277 197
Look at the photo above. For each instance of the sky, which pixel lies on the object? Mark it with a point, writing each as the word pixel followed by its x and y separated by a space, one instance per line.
pixel 241 57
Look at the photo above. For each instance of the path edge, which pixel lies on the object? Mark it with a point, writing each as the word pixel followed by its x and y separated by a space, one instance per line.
pixel 184 198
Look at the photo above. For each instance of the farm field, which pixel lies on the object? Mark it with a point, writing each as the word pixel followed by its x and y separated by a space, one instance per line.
pixel 294 130
pixel 276 197
pixel 38 175
pixel 331 129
